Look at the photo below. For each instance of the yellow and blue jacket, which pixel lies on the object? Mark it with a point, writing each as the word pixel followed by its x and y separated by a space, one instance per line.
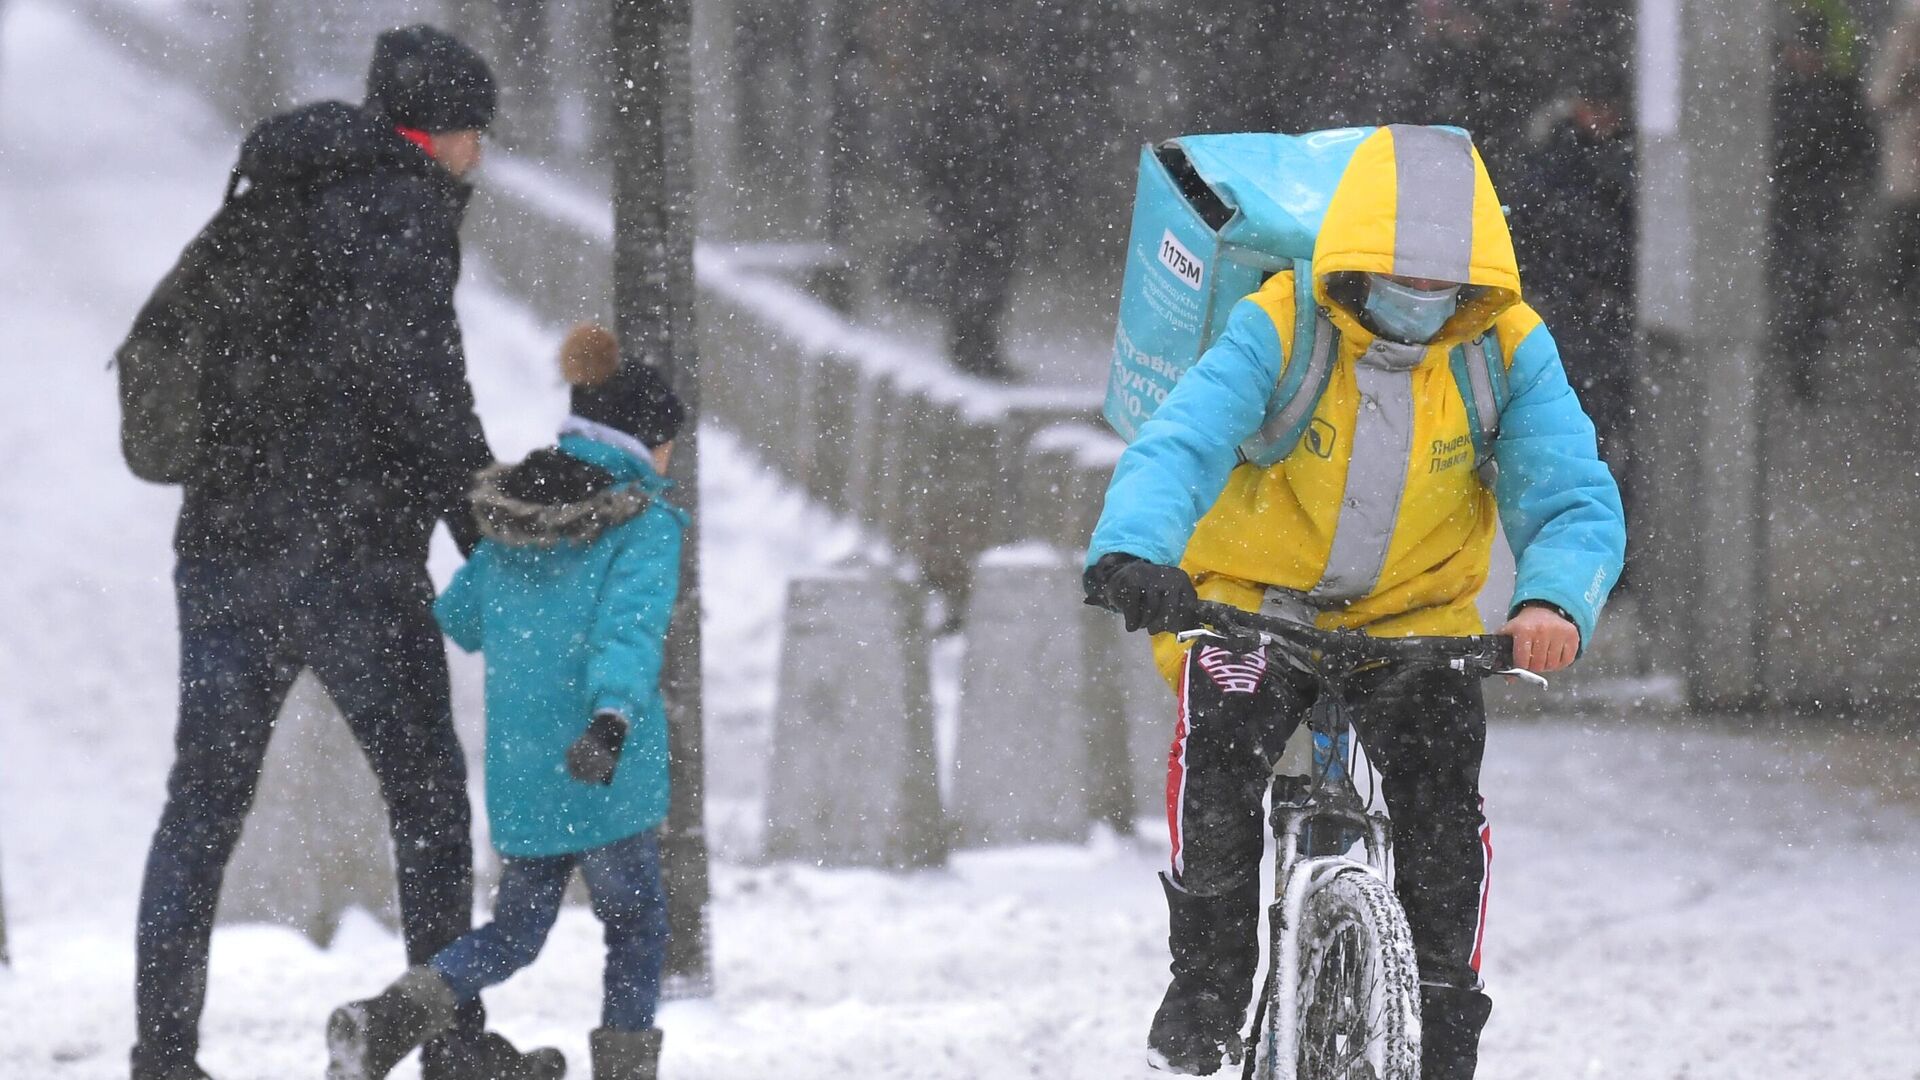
pixel 1379 518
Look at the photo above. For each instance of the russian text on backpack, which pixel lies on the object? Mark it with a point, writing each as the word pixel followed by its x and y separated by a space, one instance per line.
pixel 1213 217
pixel 207 337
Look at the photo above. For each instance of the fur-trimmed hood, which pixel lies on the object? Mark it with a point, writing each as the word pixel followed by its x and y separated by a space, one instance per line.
pixel 554 498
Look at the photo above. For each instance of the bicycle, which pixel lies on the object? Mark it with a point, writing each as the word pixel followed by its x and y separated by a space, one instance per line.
pixel 1341 1000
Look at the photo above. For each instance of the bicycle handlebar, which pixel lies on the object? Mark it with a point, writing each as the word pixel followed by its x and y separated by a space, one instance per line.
pixel 1481 654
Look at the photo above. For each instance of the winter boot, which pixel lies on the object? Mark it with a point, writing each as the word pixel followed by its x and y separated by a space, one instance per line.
pixel 1450 1022
pixel 499 1060
pixel 366 1039
pixel 144 1069
pixel 1214 941
pixel 626 1055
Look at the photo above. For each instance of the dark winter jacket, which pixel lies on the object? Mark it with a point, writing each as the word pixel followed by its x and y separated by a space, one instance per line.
pixel 363 431
pixel 1577 252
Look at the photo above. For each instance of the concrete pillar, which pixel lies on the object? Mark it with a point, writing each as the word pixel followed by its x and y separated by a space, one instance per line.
pixel 1034 760
pixel 1699 550
pixel 317 841
pixel 853 780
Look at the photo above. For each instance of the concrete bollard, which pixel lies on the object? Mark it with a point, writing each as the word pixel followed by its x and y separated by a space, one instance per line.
pixel 317 840
pixel 1032 760
pixel 854 779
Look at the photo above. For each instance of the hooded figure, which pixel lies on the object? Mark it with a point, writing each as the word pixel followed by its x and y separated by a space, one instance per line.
pixel 1378 520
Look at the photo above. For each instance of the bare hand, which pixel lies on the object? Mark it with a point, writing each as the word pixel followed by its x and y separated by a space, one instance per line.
pixel 1542 640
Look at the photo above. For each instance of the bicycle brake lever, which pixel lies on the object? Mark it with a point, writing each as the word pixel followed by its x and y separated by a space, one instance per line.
pixel 1236 642
pixel 1525 676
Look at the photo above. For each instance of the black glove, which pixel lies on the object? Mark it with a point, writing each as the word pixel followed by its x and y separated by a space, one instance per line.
pixel 594 755
pixel 1160 598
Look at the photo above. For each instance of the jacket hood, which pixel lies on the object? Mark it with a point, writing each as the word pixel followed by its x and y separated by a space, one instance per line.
pixel 328 138
pixel 1417 201
pixel 569 494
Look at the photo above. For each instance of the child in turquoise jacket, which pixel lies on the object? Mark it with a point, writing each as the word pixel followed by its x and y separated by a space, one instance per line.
pixel 569 596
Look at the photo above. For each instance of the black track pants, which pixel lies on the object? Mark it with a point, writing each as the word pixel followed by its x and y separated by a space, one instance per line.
pixel 1425 734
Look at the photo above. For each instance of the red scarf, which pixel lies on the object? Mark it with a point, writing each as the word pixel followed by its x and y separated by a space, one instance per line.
pixel 418 138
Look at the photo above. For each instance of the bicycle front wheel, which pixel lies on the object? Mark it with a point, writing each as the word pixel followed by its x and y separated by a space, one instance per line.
pixel 1358 1009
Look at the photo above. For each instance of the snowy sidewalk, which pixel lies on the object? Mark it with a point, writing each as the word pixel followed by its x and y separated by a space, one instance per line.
pixel 1670 900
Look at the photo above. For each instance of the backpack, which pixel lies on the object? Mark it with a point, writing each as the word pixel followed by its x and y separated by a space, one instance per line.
pixel 1213 217
pixel 207 338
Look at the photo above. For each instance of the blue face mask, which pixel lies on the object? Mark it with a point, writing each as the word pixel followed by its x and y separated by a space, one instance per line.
pixel 1404 313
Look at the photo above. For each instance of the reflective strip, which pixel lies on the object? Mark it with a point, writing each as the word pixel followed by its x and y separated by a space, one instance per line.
pixel 1306 394
pixel 1486 407
pixel 1376 481
pixel 1434 182
pixel 1486 887
pixel 1177 776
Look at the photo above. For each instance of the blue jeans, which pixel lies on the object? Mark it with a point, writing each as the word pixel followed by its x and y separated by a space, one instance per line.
pixel 247 626
pixel 623 879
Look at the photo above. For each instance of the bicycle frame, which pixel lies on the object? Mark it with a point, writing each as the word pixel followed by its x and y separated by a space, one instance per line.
pixel 1333 659
pixel 1298 876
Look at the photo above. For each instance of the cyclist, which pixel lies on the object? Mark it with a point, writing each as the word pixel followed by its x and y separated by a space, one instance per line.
pixel 1380 520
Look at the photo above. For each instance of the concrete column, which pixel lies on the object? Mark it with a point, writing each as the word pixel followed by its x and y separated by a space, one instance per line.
pixel 1699 551
pixel 853 780
pixel 1037 758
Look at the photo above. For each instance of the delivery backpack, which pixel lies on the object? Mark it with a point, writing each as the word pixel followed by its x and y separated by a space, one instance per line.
pixel 202 349
pixel 1213 217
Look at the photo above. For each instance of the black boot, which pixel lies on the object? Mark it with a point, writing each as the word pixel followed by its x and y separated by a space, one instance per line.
pixel 147 1067
pixel 1450 1020
pixel 499 1060
pixel 1214 941
pixel 366 1039
pixel 626 1055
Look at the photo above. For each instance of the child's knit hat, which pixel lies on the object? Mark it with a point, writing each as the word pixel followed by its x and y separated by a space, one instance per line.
pixel 632 399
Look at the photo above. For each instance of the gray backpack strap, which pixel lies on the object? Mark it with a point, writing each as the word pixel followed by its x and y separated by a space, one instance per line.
pixel 1482 377
pixel 1298 391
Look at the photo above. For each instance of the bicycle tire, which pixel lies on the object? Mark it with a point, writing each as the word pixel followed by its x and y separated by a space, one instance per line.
pixel 1358 1005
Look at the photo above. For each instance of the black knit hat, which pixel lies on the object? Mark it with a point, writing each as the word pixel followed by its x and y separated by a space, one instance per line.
pixel 425 78
pixel 632 399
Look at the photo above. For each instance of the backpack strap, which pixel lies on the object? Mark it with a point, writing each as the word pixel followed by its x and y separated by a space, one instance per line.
pixel 1290 408
pixel 1481 375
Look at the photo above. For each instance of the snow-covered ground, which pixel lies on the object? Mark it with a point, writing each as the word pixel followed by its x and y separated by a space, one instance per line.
pixel 1672 899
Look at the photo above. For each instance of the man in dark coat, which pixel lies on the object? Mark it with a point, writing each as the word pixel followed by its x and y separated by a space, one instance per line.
pixel 303 543
pixel 1578 200
pixel 1823 157
pixel 969 156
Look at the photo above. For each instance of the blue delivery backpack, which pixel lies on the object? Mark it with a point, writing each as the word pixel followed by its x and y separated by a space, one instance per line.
pixel 1213 217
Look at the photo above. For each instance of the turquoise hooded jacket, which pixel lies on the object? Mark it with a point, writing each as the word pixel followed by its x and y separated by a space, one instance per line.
pixel 570 628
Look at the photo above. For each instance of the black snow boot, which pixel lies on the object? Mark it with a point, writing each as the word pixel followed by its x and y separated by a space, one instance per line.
pixel 1450 1022
pixel 499 1060
pixel 178 1069
pixel 626 1055
pixel 1215 945
pixel 366 1039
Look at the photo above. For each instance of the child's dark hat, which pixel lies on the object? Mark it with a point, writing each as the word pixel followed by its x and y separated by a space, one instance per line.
pixel 632 399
